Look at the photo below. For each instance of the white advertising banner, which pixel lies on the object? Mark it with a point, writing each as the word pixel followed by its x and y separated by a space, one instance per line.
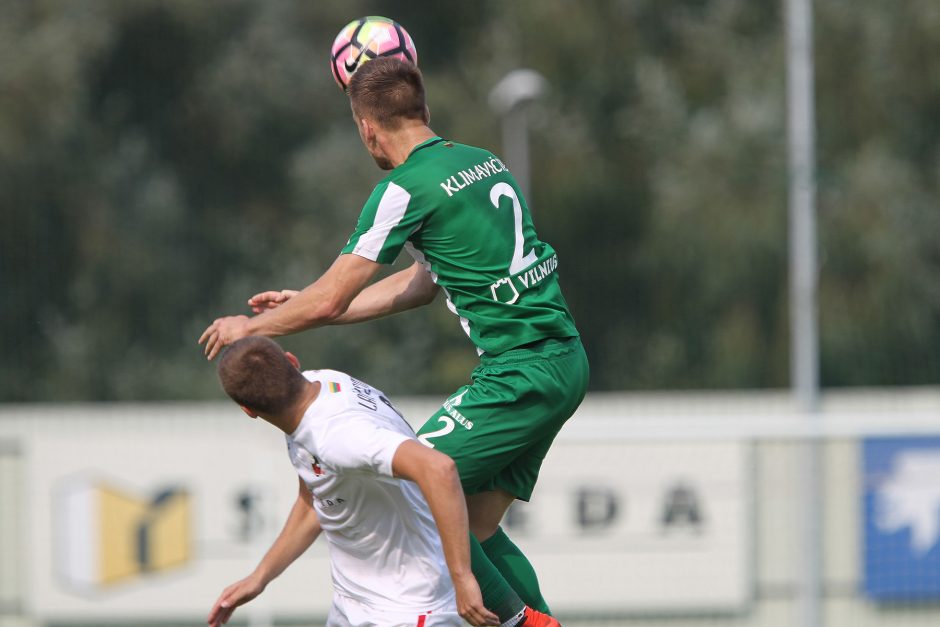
pixel 151 516
pixel 149 519
pixel 632 527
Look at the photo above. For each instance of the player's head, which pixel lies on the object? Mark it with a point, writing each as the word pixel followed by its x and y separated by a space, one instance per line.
pixel 388 93
pixel 258 375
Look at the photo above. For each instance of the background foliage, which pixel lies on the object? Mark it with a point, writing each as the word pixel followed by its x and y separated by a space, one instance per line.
pixel 161 161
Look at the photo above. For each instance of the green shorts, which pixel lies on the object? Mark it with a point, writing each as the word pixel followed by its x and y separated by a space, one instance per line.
pixel 499 428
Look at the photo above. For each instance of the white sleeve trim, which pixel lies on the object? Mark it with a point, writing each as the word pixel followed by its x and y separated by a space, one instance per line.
pixel 390 212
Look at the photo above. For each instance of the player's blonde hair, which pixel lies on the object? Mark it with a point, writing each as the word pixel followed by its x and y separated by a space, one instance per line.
pixel 256 374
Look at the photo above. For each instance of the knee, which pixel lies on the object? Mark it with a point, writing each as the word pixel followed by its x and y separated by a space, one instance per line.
pixel 482 530
pixel 485 511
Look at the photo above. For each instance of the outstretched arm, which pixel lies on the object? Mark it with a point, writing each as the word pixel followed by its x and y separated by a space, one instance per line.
pixel 299 532
pixel 436 475
pixel 406 289
pixel 318 304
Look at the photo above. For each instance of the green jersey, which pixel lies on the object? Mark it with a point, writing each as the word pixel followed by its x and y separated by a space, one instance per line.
pixel 457 210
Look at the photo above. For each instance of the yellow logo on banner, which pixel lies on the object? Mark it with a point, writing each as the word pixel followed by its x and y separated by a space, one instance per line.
pixel 107 536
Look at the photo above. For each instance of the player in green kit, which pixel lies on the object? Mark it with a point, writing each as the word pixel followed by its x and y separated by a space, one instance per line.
pixel 458 212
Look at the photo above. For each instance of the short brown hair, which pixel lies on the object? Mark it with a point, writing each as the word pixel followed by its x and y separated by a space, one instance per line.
pixel 256 374
pixel 389 91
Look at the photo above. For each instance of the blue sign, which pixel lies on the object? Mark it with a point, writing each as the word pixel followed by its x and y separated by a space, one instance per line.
pixel 902 518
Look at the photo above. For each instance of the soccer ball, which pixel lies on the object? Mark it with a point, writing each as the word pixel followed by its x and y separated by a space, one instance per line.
pixel 367 38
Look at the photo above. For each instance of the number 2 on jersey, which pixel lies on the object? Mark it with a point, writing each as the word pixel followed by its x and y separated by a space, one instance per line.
pixel 519 261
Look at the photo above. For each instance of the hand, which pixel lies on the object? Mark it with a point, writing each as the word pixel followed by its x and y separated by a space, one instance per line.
pixel 270 300
pixel 470 603
pixel 236 594
pixel 223 332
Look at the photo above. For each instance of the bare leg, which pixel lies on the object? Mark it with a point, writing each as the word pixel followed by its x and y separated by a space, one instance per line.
pixel 485 511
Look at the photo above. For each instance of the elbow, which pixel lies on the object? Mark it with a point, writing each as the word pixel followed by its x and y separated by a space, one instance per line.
pixel 444 470
pixel 327 311
pixel 421 288
pixel 429 294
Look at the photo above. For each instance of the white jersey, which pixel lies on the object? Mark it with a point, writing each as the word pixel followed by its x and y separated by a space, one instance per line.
pixel 385 550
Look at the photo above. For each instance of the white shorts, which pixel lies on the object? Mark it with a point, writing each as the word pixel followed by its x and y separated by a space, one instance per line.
pixel 350 613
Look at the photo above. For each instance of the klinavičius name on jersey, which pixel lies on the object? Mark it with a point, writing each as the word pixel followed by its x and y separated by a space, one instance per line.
pixel 465 178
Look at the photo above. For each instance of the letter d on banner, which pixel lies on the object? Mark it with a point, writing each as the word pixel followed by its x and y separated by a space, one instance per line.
pixel 597 509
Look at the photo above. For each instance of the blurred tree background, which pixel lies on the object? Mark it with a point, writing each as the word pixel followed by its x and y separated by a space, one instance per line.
pixel 161 161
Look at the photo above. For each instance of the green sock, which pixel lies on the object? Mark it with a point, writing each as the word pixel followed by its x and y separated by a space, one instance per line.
pixel 515 568
pixel 498 595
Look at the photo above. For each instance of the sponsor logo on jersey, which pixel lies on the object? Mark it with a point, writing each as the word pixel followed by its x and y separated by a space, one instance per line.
pixel 508 289
pixel 324 503
pixel 109 536
pixel 315 465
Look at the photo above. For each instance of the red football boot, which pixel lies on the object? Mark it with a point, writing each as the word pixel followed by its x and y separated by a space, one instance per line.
pixel 534 618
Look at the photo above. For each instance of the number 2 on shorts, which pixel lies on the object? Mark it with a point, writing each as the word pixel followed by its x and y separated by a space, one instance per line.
pixel 447 428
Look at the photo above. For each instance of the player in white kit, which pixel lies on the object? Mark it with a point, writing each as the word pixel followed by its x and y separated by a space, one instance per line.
pixel 392 509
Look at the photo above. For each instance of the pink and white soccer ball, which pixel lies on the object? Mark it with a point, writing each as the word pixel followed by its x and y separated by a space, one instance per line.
pixel 365 39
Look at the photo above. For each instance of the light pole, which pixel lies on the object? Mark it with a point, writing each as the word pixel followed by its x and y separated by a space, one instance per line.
pixel 509 99
pixel 804 340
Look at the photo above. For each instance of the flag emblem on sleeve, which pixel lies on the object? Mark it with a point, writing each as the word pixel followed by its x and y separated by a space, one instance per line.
pixel 334 387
